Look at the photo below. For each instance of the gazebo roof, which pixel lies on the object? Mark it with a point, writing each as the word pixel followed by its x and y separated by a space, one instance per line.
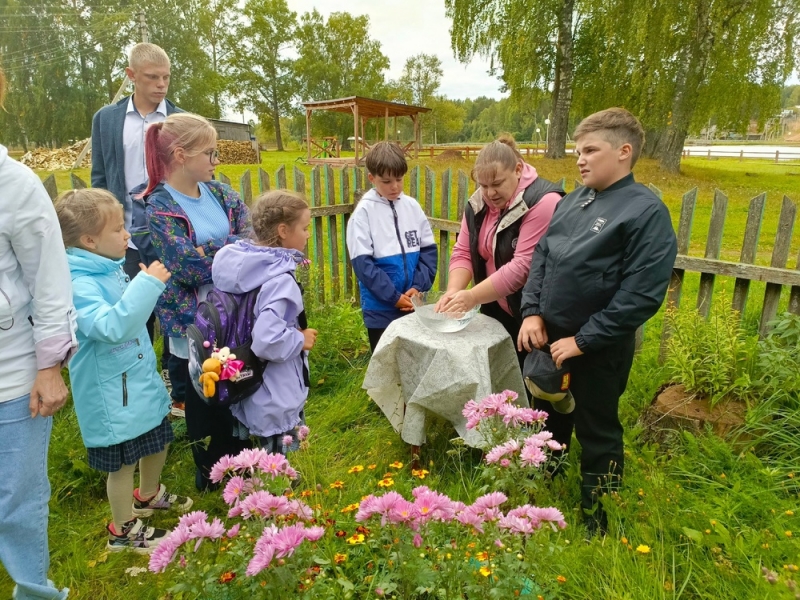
pixel 367 107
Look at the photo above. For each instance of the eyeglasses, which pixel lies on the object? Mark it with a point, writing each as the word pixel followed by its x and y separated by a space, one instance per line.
pixel 213 155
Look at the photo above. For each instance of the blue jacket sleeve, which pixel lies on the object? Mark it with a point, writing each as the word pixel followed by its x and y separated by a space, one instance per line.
pixel 115 323
pixel 273 338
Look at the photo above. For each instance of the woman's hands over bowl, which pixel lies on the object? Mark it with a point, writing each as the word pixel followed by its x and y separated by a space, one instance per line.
pixel 461 301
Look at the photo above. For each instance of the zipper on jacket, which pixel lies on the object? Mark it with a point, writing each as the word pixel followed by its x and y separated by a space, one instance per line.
pixel 125 389
pixel 402 247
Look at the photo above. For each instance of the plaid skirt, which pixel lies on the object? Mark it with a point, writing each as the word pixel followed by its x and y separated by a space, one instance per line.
pixel 111 458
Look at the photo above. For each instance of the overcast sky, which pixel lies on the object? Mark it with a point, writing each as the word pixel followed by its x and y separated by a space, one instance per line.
pixel 408 27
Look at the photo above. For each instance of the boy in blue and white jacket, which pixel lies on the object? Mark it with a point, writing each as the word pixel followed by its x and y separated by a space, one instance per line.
pixel 390 243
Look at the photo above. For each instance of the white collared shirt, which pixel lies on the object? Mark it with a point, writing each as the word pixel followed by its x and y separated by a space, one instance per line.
pixel 133 132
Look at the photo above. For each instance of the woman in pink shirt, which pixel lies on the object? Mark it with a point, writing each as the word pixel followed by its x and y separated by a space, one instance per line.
pixel 503 221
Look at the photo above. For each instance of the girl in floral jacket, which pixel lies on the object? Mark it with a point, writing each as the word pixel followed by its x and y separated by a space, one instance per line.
pixel 190 218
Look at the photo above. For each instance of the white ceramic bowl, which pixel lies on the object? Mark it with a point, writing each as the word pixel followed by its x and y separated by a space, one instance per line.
pixel 448 322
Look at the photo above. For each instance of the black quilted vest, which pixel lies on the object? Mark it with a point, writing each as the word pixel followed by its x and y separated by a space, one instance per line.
pixel 506 239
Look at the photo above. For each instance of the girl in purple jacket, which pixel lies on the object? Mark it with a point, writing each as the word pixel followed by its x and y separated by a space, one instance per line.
pixel 281 335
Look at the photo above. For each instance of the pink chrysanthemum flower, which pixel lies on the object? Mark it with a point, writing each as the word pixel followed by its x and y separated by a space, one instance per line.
pixel 287 440
pixel 302 432
pixel 233 490
pixel 220 468
pixel 532 456
pixel 193 517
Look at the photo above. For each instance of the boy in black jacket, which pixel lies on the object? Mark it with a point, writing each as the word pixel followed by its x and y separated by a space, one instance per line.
pixel 601 271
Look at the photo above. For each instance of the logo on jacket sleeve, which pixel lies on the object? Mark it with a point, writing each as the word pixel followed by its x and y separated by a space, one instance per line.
pixel 412 239
pixel 598 225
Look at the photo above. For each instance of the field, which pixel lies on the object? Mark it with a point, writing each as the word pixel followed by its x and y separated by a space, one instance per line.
pixel 711 513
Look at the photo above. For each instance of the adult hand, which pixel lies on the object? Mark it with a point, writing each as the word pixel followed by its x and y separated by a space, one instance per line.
pixel 532 334
pixel 412 292
pixel 310 336
pixel 49 393
pixel 461 302
pixel 404 303
pixel 563 349
pixel 157 270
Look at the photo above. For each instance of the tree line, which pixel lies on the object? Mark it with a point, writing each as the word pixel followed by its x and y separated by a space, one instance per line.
pixel 677 65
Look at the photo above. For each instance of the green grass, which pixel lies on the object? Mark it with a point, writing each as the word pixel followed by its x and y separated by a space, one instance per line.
pixel 711 513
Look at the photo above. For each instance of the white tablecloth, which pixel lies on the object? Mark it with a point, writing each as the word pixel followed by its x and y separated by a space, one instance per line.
pixel 421 371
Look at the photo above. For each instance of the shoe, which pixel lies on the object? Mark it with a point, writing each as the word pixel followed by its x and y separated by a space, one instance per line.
pixel 178 410
pixel 135 536
pixel 161 501
pixel 166 379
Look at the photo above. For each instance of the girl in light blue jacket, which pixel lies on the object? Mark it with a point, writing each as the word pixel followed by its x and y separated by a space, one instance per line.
pixel 120 399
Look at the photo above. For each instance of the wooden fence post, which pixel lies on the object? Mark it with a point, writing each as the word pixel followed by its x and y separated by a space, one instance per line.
pixel 77 182
pixel 333 232
pixel 752 230
pixel 463 194
pixel 50 185
pixel 319 265
pixel 299 180
pixel 794 295
pixel 676 280
pixel 413 183
pixel 780 254
pixel 246 187
pixel 444 236
pixel 713 248
pixel 263 181
pixel 430 181
pixel 350 287
pixel 280 178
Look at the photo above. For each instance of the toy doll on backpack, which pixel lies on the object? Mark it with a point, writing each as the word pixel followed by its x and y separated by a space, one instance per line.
pixel 260 274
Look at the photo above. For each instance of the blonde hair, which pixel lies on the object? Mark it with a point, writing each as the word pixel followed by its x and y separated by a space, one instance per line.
pixel 501 153
pixel 147 54
pixel 84 212
pixel 273 208
pixel 191 132
pixel 616 126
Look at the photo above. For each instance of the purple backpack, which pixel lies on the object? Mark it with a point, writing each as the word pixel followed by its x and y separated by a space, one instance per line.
pixel 226 320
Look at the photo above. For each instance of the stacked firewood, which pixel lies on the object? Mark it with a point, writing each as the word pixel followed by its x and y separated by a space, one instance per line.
pixel 54 160
pixel 237 153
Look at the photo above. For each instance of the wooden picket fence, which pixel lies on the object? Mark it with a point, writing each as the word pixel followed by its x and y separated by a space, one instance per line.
pixel 331 193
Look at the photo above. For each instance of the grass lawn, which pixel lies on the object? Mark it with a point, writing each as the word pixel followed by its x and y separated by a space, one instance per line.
pixel 712 514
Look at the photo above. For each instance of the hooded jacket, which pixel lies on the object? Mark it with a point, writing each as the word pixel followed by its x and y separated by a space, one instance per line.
pixel 391 246
pixel 239 268
pixel 603 267
pixel 36 316
pixel 174 242
pixel 116 386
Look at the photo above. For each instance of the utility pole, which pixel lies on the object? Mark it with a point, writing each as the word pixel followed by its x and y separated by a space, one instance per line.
pixel 122 88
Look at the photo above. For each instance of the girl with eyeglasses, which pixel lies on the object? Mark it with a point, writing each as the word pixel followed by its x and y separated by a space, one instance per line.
pixel 190 218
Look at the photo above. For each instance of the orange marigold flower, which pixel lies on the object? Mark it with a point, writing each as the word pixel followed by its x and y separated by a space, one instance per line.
pixel 396 465
pixel 561 579
pixel 356 469
pixel 227 577
pixel 642 549
pixel 341 533
pixel 386 482
pixel 306 493
pixel 419 473
pixel 350 508
pixel 339 558
pixel 372 467
pixel 482 555
pixel 337 485
pixel 485 571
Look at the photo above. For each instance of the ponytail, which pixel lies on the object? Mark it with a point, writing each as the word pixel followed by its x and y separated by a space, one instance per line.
pixel 191 132
pixel 500 153
pixel 156 165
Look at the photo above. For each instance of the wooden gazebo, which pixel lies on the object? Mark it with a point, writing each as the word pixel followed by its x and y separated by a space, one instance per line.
pixel 363 109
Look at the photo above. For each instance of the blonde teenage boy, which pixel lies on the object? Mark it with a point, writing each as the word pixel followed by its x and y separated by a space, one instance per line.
pixel 599 273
